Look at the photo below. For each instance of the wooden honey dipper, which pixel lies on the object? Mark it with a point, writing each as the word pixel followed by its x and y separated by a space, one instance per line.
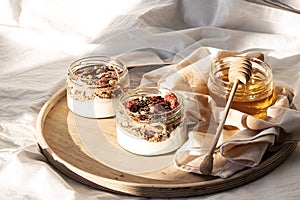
pixel 240 71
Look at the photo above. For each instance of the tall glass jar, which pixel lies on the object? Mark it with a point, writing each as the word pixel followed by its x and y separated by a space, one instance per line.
pixel 252 98
pixel 151 121
pixel 94 84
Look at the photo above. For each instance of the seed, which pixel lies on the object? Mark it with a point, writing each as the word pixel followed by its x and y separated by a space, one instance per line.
pixel 89 76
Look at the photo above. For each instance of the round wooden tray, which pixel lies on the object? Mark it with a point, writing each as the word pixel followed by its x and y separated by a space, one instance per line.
pixel 60 141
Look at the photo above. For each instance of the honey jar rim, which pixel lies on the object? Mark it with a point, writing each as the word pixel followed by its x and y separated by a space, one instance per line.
pixel 222 62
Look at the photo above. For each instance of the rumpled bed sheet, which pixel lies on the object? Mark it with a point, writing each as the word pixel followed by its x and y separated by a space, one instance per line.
pixel 39 39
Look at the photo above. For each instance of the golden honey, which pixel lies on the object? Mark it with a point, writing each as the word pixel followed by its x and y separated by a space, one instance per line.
pixel 252 98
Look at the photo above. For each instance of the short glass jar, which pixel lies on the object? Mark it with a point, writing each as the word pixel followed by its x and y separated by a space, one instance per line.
pixel 94 84
pixel 252 98
pixel 151 121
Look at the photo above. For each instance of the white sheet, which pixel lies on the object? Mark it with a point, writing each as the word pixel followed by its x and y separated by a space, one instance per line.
pixel 39 39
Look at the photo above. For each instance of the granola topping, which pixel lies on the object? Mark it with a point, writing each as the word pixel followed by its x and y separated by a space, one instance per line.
pixel 145 105
pixel 100 75
pixel 94 81
pixel 156 116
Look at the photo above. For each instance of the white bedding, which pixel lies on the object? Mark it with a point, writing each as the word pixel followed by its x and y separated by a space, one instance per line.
pixel 40 38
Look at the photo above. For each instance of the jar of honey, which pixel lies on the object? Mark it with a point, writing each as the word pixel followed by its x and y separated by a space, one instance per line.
pixel 252 98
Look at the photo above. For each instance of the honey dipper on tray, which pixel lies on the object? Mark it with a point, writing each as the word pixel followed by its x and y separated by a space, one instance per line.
pixel 240 72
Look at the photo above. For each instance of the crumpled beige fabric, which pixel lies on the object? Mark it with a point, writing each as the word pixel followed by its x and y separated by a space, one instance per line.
pixel 244 139
pixel 245 142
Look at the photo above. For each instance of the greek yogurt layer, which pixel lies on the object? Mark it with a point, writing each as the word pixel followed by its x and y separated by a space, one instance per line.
pixel 97 108
pixel 141 146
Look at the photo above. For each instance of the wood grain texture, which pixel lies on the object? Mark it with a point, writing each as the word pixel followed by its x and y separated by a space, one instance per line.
pixel 61 145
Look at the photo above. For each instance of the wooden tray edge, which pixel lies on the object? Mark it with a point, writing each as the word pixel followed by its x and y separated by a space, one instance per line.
pixel 151 190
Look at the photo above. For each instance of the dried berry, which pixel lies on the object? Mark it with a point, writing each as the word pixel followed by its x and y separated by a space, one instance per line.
pixel 131 106
pixel 171 99
pixel 141 117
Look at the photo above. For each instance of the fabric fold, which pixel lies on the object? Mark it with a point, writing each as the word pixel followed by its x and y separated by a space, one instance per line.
pixel 245 139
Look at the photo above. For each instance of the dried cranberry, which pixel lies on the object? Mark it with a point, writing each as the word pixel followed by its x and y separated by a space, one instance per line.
pixel 131 106
pixel 103 81
pixel 141 117
pixel 114 73
pixel 172 100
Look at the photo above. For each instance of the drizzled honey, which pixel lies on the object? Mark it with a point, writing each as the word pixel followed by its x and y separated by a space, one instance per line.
pixel 252 98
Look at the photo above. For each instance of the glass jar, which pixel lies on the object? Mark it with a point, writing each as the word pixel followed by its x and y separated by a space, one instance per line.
pixel 252 98
pixel 151 121
pixel 94 84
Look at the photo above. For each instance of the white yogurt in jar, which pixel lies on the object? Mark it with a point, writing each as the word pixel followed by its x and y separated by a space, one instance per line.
pixel 141 146
pixel 97 108
pixel 94 84
pixel 150 121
